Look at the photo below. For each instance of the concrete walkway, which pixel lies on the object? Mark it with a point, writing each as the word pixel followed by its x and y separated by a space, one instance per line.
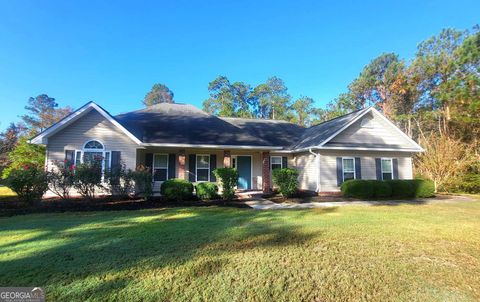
pixel 257 202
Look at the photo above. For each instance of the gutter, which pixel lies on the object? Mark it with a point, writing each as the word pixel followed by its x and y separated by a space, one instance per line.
pixel 201 146
pixel 317 157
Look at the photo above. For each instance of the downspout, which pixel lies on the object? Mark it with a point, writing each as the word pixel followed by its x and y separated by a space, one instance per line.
pixel 317 157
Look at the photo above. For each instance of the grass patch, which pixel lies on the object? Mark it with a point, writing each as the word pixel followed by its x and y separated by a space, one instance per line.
pixel 384 253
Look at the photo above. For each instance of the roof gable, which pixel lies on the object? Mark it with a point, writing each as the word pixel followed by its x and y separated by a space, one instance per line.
pixel 42 138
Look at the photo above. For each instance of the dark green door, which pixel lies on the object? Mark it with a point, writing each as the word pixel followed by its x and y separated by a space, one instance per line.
pixel 244 167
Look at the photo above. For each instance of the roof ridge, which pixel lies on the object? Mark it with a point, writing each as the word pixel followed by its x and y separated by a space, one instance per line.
pixel 340 116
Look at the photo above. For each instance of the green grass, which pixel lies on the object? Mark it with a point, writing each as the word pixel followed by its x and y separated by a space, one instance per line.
pixel 355 253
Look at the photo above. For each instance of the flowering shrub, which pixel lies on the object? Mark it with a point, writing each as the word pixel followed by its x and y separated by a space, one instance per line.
pixel 30 183
pixel 87 178
pixel 120 181
pixel 61 178
pixel 143 181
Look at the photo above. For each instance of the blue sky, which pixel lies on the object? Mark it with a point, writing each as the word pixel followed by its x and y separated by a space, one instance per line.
pixel 112 52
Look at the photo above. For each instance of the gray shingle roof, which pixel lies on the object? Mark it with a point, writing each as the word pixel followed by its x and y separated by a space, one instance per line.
pixel 186 124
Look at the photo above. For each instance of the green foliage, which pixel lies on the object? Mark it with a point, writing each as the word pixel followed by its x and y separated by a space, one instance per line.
pixel 120 181
pixel 302 111
pixel 60 179
pixel 159 93
pixel 423 188
pixel 177 189
pixel 357 188
pixel 143 182
pixel 372 189
pixel 29 183
pixel 207 190
pixel 25 154
pixel 87 178
pixel 401 188
pixel 469 183
pixel 43 112
pixel 228 179
pixel 287 181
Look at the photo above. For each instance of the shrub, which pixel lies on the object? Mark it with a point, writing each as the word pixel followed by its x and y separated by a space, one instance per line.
pixel 143 182
pixel 287 181
pixel 423 188
pixel 60 179
pixel 177 189
pixel 381 189
pixel 87 178
pixel 207 190
pixel 468 183
pixel 228 178
pixel 120 181
pixel 29 183
pixel 358 188
pixel 401 188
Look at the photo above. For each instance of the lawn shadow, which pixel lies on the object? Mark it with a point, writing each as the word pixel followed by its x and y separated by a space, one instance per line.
pixel 84 245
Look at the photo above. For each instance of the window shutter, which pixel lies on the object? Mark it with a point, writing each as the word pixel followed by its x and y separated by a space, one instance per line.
pixel 213 166
pixel 171 165
pixel 358 168
pixel 116 165
pixel 284 162
pixel 69 157
pixel 395 168
pixel 378 168
pixel 339 171
pixel 149 161
pixel 192 163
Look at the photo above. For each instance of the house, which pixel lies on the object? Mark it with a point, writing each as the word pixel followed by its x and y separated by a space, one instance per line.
pixel 182 141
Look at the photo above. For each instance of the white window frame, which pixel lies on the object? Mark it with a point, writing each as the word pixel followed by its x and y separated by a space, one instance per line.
pixel 391 165
pixel 153 167
pixel 343 168
pixel 103 151
pixel 196 167
pixel 271 162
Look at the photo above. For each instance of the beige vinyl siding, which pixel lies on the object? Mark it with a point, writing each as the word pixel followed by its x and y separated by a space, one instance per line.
pixel 381 133
pixel 307 166
pixel 92 126
pixel 328 164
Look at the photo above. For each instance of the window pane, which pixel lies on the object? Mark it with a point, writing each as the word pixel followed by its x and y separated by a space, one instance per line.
pixel 91 157
pixel 161 161
pixel 202 174
pixel 276 160
pixel 160 174
pixel 348 165
pixel 78 156
pixel 93 145
pixel 107 161
pixel 348 175
pixel 276 166
pixel 203 161
pixel 387 176
pixel 386 165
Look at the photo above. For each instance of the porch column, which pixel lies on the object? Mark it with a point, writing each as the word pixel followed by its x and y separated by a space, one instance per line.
pixel 181 164
pixel 266 184
pixel 226 159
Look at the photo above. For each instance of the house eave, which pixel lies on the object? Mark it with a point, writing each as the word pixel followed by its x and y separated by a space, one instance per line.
pixel 208 146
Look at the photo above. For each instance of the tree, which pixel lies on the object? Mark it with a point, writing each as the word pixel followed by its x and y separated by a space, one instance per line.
pixel 8 141
pixel 43 112
pixel 302 111
pixel 159 93
pixel 25 155
pixel 444 159
pixel 227 99
pixel 273 100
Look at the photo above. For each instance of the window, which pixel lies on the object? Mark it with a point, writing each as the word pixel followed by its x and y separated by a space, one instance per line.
pixel 93 145
pixel 160 167
pixel 387 169
pixel 203 168
pixel 275 162
pixel 348 168
pixel 94 152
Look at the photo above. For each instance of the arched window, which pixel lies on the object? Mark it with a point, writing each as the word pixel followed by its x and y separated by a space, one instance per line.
pixel 93 145
pixel 93 151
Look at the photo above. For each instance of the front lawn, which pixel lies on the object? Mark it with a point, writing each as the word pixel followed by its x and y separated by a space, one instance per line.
pixel 428 252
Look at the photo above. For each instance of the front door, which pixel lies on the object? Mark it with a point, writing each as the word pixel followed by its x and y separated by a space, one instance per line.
pixel 244 167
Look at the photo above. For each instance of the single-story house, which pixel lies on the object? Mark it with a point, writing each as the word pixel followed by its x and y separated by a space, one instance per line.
pixel 182 141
